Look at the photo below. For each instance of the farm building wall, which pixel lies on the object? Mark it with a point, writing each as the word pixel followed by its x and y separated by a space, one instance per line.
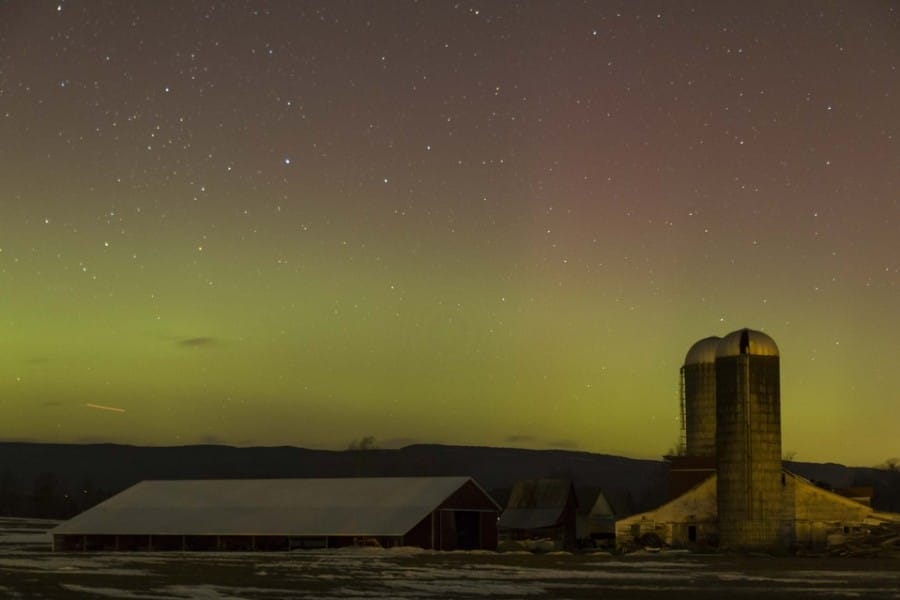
pixel 686 472
pixel 689 520
pixel 542 509
pixel 466 520
pixel 212 543
pixel 463 517
pixel 816 513
pixel 809 515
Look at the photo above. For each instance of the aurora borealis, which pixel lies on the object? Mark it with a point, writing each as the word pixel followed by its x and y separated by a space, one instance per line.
pixel 493 223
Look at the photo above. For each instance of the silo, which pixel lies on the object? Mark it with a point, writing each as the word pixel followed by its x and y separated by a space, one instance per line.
pixel 748 440
pixel 699 398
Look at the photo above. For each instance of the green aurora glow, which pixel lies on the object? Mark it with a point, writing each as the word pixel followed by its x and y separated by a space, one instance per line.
pixel 429 224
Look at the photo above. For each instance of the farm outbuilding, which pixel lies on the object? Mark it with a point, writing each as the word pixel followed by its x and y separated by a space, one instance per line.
pixel 541 509
pixel 808 515
pixel 729 488
pixel 440 513
pixel 596 523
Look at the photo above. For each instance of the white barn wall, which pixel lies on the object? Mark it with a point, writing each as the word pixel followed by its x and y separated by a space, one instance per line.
pixel 809 514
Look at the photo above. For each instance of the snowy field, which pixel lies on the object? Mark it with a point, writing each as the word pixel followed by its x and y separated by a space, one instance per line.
pixel 29 570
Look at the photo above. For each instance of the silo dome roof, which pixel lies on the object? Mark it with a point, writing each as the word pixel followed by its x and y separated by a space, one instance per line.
pixel 703 351
pixel 747 341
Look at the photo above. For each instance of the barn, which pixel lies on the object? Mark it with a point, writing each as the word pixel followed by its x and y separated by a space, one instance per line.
pixel 440 513
pixel 541 509
pixel 807 513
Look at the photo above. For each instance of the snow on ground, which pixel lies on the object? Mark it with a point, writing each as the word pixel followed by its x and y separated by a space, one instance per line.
pixel 369 574
pixel 24 534
pixel 186 592
pixel 65 564
pixel 342 575
pixel 108 592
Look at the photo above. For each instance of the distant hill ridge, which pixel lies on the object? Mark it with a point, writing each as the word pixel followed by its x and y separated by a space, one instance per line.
pixel 59 480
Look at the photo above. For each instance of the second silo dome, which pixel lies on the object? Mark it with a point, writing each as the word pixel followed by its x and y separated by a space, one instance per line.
pixel 699 373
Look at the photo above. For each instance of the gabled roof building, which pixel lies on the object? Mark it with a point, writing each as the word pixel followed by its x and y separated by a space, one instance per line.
pixel 441 513
pixel 809 515
pixel 729 488
pixel 601 520
pixel 541 508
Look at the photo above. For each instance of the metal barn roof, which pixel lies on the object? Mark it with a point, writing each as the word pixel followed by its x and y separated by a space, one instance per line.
pixel 374 506
pixel 536 503
pixel 530 518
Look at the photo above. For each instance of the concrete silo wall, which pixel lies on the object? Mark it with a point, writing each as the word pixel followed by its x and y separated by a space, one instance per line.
pixel 748 451
pixel 700 409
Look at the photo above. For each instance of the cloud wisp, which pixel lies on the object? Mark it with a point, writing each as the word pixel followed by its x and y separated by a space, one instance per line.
pixel 198 342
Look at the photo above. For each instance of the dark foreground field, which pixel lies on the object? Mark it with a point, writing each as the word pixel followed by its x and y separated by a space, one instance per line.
pixel 29 570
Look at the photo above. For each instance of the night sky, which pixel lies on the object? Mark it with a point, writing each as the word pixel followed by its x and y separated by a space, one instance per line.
pixel 491 223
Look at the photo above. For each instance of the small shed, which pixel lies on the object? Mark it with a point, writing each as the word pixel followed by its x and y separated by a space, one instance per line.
pixel 596 522
pixel 541 509
pixel 441 513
